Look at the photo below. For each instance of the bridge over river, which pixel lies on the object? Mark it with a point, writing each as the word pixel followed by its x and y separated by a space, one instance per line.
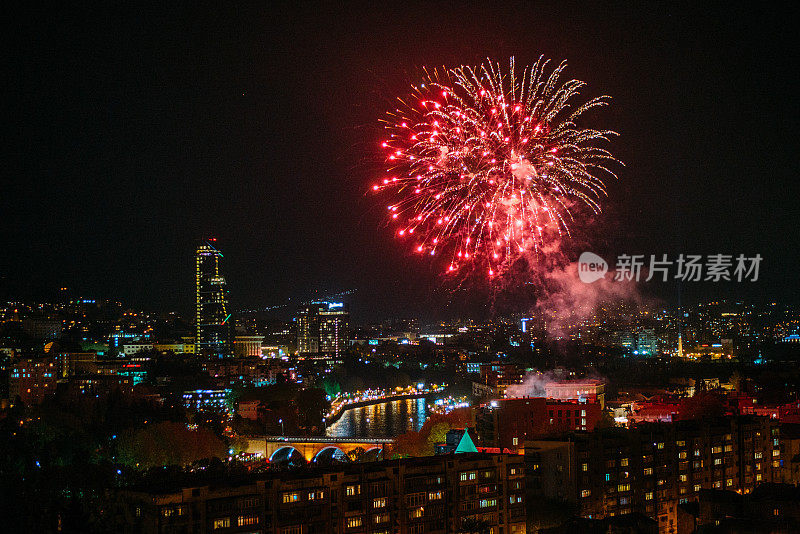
pixel 284 448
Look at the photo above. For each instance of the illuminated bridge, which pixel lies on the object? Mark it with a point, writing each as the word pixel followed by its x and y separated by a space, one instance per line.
pixel 286 448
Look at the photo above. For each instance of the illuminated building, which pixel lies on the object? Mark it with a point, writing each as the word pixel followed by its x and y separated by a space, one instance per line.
pixel 247 346
pixel 215 400
pixel 32 379
pixel 117 341
pixel 212 321
pixel 177 348
pixel 647 342
pixel 129 349
pixel 508 423
pixel 589 390
pixel 495 379
pixel 434 495
pixel 654 467
pixel 76 363
pixel 323 328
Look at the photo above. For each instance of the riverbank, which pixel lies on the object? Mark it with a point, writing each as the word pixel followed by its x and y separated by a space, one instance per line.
pixel 367 402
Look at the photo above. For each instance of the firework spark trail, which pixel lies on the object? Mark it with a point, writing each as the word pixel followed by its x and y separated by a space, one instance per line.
pixel 486 166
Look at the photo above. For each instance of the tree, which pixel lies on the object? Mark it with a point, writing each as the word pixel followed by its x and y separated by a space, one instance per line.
pixel 168 443
pixel 433 431
pixel 438 434
pixel 357 455
pixel 311 405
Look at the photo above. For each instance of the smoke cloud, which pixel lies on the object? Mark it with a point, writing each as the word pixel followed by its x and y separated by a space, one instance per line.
pixel 565 300
pixel 535 384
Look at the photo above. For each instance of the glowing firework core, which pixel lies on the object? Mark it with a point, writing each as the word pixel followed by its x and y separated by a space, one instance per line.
pixel 486 166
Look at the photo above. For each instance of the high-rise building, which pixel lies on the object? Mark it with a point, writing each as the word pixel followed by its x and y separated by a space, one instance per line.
pixel 323 328
pixel 212 320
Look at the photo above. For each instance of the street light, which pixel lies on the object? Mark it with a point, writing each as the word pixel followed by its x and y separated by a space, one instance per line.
pixel 281 422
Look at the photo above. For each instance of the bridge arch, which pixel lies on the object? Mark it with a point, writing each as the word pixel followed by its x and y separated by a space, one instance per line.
pixel 286 453
pixel 336 453
pixel 373 454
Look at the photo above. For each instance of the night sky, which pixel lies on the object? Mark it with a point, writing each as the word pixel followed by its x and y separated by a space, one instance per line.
pixel 130 134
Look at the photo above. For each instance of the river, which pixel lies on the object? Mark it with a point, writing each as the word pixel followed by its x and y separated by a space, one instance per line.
pixel 382 420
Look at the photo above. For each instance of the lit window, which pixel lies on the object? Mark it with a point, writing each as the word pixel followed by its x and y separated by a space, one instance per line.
pixel 225 522
pixel 585 493
pixel 379 503
pixel 353 490
pixel 291 497
pixel 245 520
pixel 353 522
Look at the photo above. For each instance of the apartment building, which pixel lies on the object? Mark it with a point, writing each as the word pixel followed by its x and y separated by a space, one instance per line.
pixel 435 495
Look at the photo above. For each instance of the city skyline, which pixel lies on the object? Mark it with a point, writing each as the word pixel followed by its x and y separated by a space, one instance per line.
pixel 151 157
pixel 419 268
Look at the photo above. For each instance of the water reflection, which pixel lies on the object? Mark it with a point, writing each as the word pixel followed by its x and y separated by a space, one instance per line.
pixel 384 420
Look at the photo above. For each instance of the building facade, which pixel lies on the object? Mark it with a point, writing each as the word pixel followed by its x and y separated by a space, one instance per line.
pixel 323 328
pixel 508 423
pixel 654 467
pixel 32 379
pixel 212 321
pixel 439 494
pixel 247 346
pixel 495 379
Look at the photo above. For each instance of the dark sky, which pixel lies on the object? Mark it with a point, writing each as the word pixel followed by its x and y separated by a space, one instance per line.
pixel 132 133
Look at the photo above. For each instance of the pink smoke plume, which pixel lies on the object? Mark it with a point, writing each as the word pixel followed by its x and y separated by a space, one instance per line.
pixel 565 299
pixel 535 384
